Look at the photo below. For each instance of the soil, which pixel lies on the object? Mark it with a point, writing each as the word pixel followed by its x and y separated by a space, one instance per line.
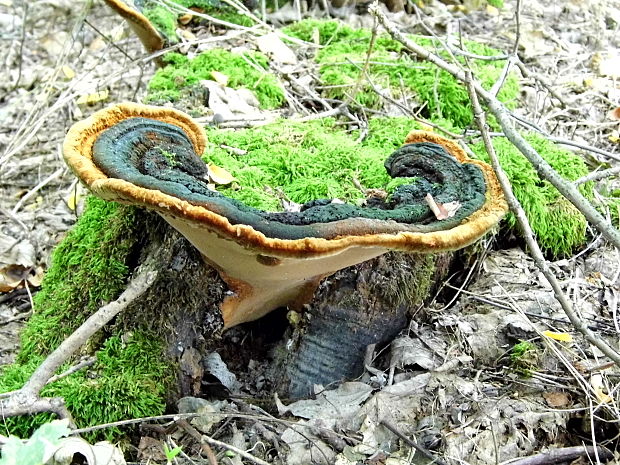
pixel 451 382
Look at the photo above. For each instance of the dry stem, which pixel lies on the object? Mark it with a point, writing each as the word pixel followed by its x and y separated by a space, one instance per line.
pixel 26 400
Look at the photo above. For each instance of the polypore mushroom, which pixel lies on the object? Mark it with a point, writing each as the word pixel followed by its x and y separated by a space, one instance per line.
pixel 140 24
pixel 145 155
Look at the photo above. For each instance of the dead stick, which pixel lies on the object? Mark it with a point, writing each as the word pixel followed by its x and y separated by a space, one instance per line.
pixel 236 450
pixel 563 455
pixel 409 442
pixel 528 234
pixel 22 401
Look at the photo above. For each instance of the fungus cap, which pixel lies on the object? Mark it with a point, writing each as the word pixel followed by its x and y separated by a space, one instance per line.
pixel 272 259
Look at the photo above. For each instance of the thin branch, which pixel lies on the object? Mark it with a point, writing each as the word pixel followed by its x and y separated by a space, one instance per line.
pixel 26 400
pixel 409 442
pixel 528 234
pixel 562 455
pixel 236 450
pixel 544 170
pixel 598 175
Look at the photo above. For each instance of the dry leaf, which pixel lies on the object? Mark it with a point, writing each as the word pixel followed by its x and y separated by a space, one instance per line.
pixel 68 72
pixel 95 97
pixel 186 18
pixel 272 46
pixel 614 114
pixel 614 136
pixel 442 211
pixel 220 78
pixel 219 175
pixel 563 337
pixel 187 35
pixel 74 199
pixel 556 399
pixel 14 276
pixel 11 277
pixel 600 390
pixel 606 64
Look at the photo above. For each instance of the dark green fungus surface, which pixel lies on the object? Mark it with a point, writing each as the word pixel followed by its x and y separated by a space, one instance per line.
pixel 156 155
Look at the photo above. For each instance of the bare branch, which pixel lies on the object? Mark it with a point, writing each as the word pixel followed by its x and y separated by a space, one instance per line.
pixel 26 400
pixel 528 234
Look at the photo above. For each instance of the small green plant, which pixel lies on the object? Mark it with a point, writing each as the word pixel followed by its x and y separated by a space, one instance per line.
pixel 37 450
pixel 524 357
pixel 171 157
pixel 171 453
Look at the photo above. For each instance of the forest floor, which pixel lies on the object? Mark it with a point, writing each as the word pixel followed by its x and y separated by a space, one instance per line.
pixel 62 60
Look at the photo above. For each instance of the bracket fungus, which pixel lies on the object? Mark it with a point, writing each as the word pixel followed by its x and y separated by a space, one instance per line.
pixel 151 39
pixel 149 156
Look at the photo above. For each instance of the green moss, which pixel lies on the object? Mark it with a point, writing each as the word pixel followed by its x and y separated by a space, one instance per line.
pixel 166 21
pixel 303 161
pixel 560 228
pixel 90 268
pixel 249 70
pixel 128 380
pixel 524 358
pixel 390 68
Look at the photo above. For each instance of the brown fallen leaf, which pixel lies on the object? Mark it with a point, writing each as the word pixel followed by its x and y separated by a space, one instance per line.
pixel 614 114
pixel 557 399
pixel 14 276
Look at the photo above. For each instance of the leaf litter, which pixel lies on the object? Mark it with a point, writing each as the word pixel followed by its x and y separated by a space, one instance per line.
pixel 447 381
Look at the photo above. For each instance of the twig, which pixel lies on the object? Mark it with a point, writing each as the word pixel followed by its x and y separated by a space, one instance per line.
pixel 236 450
pixel 563 455
pixel 409 442
pixel 529 74
pixel 36 189
pixel 26 400
pixel 597 175
pixel 193 432
pixel 541 166
pixel 528 234
pixel 22 40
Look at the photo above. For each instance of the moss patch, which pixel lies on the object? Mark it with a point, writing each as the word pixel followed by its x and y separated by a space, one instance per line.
pixel 249 70
pixel 559 227
pixel 438 91
pixel 128 380
pixel 166 21
pixel 304 161
pixel 90 268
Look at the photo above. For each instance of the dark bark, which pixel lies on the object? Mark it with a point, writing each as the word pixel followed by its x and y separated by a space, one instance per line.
pixel 361 305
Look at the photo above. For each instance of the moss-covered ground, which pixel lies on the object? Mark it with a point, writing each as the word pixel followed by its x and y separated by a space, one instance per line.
pixel 249 70
pixel 345 50
pixel 165 20
pixel 89 268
